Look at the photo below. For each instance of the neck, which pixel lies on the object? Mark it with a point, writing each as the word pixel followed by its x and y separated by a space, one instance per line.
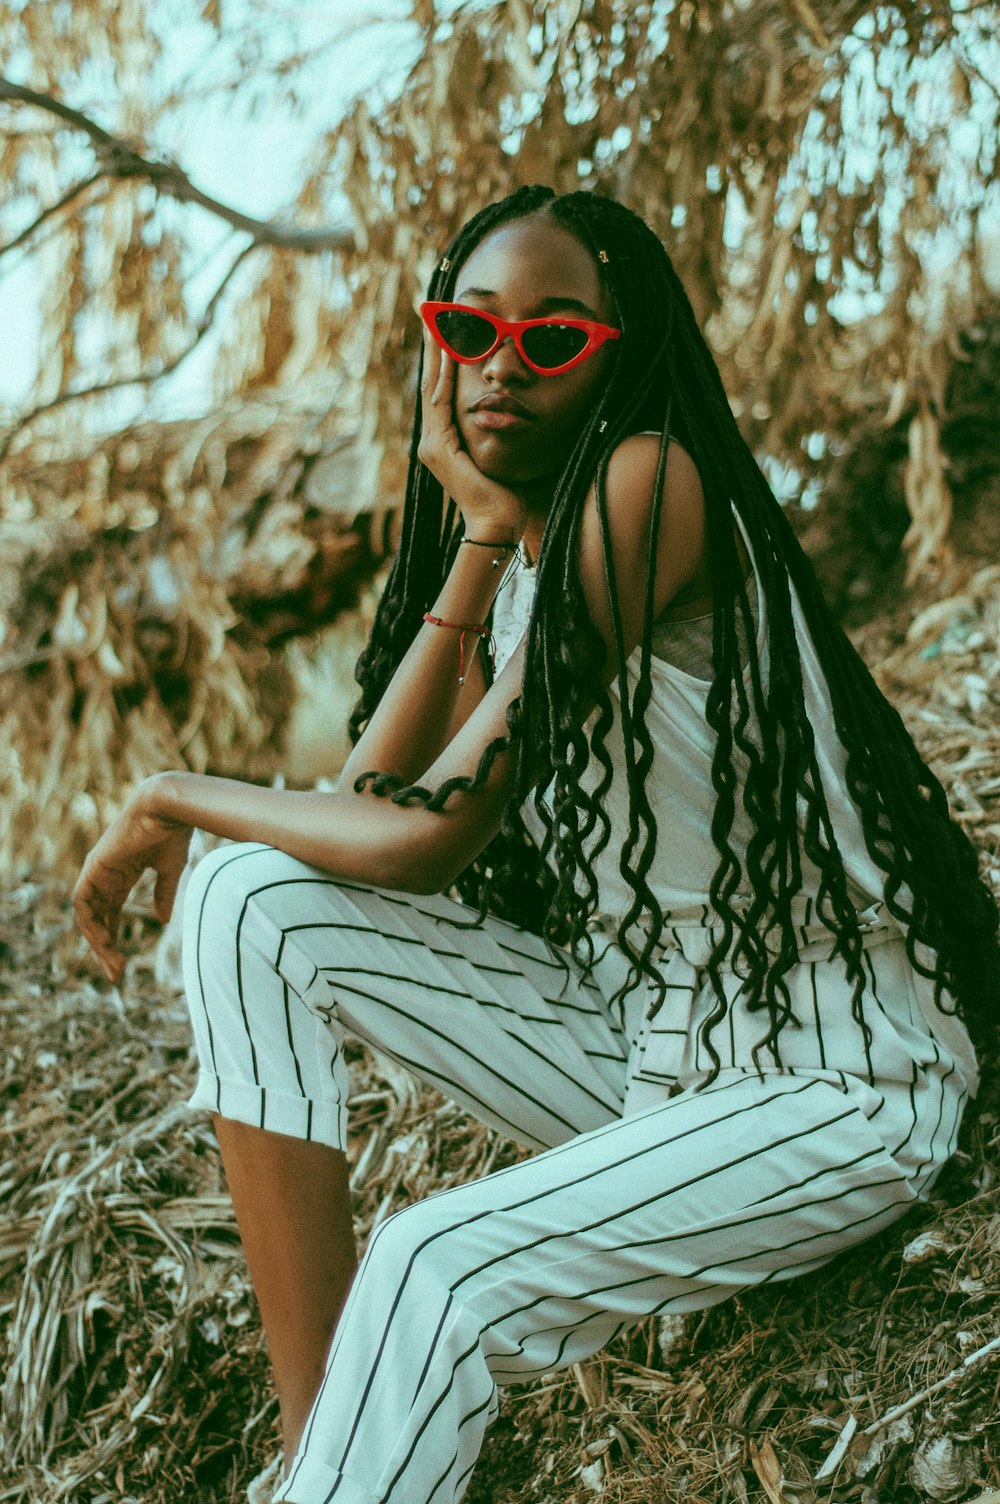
pixel 536 498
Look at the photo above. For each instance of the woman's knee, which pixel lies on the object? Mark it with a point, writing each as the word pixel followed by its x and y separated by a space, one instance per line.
pixel 427 1250
pixel 224 925
pixel 219 883
pixel 266 1059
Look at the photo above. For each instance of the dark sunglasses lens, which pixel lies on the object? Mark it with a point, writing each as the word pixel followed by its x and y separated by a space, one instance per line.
pixel 466 333
pixel 552 345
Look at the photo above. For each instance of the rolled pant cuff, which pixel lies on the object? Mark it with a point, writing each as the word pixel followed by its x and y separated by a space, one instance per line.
pixel 298 1117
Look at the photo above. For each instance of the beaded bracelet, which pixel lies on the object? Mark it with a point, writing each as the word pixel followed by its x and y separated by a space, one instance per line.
pixel 462 627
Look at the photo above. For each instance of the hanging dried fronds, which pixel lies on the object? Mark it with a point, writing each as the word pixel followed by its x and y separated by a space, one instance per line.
pixel 820 174
pixel 801 162
pixel 144 589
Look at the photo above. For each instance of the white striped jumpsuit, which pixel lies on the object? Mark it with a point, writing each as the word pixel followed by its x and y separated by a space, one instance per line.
pixel 650 1196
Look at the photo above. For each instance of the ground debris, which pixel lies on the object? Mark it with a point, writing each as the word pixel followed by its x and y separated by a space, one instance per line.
pixel 134 1364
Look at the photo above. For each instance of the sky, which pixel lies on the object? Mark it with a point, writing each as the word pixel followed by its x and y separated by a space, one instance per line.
pixel 251 153
pixel 251 159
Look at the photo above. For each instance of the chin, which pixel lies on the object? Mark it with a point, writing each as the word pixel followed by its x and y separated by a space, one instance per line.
pixel 509 464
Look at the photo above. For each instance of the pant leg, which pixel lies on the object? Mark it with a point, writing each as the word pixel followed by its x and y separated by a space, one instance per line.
pixel 280 958
pixel 542 1264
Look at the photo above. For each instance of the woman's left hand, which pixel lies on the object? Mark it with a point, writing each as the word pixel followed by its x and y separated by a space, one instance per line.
pixel 489 510
pixel 137 839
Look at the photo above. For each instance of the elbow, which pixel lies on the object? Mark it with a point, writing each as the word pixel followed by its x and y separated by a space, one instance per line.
pixel 428 879
pixel 416 871
pixel 436 867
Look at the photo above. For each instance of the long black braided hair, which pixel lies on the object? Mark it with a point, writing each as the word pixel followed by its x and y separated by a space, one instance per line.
pixel 664 379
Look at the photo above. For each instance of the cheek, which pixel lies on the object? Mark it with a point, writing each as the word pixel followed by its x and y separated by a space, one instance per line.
pixel 572 414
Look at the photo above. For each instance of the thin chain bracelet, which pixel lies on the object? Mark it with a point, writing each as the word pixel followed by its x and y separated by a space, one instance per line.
pixel 506 550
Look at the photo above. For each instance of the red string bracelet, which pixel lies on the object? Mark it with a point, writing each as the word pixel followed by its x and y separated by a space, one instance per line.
pixel 462 627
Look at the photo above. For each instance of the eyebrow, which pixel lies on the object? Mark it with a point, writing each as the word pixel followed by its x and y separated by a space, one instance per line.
pixel 544 305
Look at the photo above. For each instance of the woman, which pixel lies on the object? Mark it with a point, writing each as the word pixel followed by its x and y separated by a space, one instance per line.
pixel 725 926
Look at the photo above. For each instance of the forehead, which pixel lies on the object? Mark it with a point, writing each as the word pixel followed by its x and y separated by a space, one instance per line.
pixel 532 259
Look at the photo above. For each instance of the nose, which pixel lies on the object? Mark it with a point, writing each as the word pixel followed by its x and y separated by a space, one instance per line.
pixel 505 364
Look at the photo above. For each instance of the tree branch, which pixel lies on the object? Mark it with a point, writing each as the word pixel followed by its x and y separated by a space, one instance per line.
pixel 145 378
pixel 119 158
pixel 67 198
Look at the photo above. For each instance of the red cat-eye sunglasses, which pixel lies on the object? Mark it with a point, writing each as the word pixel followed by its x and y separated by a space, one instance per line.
pixel 549 346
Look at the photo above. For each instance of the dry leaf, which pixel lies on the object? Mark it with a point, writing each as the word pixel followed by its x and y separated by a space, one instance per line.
pixel 768 1470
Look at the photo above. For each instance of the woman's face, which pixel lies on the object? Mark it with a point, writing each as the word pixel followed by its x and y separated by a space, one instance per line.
pixel 529 269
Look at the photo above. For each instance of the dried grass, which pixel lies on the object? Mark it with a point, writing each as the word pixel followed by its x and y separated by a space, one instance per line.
pixel 135 1369
pixel 142 577
pixel 147 592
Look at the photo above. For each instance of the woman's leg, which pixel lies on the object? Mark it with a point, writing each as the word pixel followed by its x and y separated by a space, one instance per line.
pixel 542 1264
pixel 278 959
pixel 293 1209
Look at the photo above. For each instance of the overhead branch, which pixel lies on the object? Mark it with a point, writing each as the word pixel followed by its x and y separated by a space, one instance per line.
pixel 119 158
pixel 810 20
pixel 145 378
pixel 67 198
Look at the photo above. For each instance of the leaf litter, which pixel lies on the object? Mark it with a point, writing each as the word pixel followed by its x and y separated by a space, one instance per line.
pixel 135 1368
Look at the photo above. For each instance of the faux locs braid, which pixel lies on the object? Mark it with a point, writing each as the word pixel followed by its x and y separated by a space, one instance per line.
pixel 664 378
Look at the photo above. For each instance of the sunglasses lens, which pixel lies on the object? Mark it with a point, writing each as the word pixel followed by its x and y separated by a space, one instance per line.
pixel 552 345
pixel 466 333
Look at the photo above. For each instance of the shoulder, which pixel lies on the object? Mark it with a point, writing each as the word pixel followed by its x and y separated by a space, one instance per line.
pixel 678 549
pixel 635 458
pixel 632 476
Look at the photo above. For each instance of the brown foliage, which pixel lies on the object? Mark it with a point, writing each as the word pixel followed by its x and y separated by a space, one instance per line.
pixel 793 157
pixel 135 1365
pixel 145 591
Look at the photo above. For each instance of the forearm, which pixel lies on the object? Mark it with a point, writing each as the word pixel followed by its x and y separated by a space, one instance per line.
pixel 413 720
pixel 359 837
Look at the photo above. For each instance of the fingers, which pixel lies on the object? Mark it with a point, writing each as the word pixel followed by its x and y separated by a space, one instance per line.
pixel 445 383
pixel 438 436
pixel 438 377
pixel 431 367
pixel 100 892
pixel 98 923
pixel 165 892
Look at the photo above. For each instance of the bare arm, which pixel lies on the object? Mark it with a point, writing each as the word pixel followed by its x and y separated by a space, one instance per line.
pixel 679 545
pixel 424 703
pixel 359 836
pixel 415 718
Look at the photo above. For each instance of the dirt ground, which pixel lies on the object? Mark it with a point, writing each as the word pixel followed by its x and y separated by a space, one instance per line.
pixel 134 1367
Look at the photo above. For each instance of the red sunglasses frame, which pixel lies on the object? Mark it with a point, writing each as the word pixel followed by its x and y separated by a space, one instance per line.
pixel 596 335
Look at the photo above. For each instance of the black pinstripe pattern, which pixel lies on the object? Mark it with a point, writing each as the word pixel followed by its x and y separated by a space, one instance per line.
pixel 442 1080
pixel 451 1082
pixel 317 936
pixel 606 1290
pixel 628 1159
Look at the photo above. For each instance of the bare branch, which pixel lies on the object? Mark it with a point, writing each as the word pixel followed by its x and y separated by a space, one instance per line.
pixel 145 378
pixel 810 20
pixel 67 198
pixel 120 158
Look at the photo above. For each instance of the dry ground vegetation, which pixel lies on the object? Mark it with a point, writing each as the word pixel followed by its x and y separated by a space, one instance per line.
pixel 135 1366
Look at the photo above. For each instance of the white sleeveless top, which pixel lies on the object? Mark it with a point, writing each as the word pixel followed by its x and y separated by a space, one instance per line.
pixel 679 786
pixel 680 792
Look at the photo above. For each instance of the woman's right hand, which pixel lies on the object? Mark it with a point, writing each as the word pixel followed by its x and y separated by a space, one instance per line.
pixel 492 512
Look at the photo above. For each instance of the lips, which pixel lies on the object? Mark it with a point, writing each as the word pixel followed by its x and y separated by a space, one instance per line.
pixel 497 411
